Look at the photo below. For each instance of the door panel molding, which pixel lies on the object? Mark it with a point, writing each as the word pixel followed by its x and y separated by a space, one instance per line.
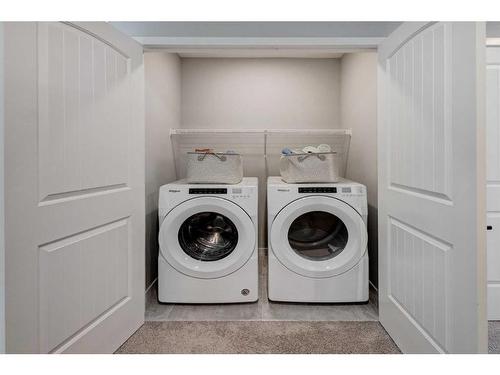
pixel 421 155
pixel 420 288
pixel 93 264
pixel 83 100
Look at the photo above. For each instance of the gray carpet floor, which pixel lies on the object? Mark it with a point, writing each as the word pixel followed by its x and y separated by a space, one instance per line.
pixel 494 337
pixel 259 337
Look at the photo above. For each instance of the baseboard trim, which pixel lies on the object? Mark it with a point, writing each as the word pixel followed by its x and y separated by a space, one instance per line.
pixel 151 285
pixel 260 250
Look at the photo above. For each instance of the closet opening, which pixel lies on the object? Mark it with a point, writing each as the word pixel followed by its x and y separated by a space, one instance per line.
pixel 230 100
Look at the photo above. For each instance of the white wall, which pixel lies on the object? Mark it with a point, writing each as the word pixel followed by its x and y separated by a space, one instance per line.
pixel 2 238
pixel 267 93
pixel 163 95
pixel 260 93
pixel 359 112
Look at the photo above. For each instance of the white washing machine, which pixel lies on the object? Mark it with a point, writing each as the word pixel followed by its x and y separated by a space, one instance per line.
pixel 317 241
pixel 208 243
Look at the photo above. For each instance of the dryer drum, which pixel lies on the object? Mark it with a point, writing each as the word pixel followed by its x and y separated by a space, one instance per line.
pixel 208 236
pixel 318 235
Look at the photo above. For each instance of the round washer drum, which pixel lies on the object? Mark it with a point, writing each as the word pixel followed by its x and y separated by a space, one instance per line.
pixel 223 237
pixel 318 236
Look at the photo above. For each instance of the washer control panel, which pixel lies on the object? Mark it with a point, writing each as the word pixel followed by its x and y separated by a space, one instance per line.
pixel 207 191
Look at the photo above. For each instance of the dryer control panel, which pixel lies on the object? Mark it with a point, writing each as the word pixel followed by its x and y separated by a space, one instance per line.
pixel 279 193
pixel 238 193
pixel 315 190
pixel 331 190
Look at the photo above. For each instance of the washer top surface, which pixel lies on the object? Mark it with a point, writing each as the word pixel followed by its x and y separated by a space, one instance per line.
pixel 246 181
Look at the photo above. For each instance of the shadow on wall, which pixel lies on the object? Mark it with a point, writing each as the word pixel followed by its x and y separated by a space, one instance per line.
pixel 373 243
pixel 152 247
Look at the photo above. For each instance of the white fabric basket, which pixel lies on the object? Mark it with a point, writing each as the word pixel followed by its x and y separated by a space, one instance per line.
pixel 214 168
pixel 314 167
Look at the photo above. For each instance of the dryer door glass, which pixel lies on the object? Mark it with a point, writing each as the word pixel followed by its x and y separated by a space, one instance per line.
pixel 208 236
pixel 318 235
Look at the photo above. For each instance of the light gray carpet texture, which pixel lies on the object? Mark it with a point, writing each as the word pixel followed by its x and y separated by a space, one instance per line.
pixel 494 337
pixel 259 337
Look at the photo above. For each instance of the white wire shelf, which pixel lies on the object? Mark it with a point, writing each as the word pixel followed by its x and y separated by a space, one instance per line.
pixel 178 131
pixel 261 148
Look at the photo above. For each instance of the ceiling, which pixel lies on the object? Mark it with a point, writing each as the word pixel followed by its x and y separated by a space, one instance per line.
pixel 267 29
pixel 257 29
pixel 266 39
pixel 258 39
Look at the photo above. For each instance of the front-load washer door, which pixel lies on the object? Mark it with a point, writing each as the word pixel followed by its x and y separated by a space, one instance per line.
pixel 207 237
pixel 318 236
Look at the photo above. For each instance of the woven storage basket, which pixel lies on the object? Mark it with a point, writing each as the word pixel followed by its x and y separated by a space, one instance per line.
pixel 314 167
pixel 214 168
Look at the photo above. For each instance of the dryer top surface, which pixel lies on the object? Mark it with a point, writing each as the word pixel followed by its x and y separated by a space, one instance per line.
pixel 277 181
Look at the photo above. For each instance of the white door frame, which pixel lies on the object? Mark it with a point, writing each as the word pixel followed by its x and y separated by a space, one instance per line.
pixel 218 45
pixel 492 184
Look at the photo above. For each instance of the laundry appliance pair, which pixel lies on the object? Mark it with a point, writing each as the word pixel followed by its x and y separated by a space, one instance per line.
pixel 209 248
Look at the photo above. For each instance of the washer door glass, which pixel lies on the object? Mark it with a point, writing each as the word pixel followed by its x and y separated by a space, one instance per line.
pixel 318 235
pixel 208 236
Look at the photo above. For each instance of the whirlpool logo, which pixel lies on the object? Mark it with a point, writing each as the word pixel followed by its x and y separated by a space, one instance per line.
pixel 283 190
pixel 174 191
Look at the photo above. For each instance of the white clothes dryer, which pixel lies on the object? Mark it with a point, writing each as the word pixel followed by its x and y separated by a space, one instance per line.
pixel 317 241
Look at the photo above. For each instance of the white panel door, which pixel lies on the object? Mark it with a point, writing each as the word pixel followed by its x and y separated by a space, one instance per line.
pixel 432 228
pixel 2 211
pixel 75 187
pixel 493 179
